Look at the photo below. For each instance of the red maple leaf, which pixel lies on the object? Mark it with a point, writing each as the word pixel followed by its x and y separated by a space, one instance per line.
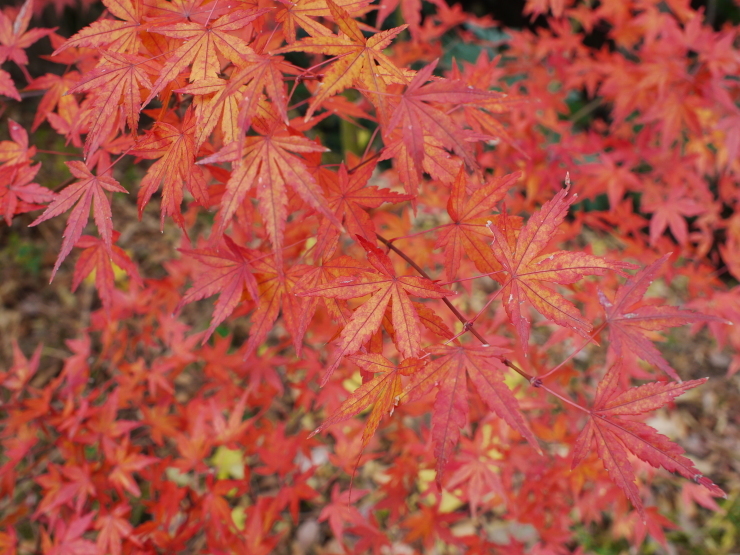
pixel 631 321
pixel 175 168
pixel 526 269
pixel 7 87
pixel 266 163
pixel 114 528
pixel 18 195
pixel 468 233
pixel 485 369
pixel 125 462
pixel 348 197
pixel 419 119
pixel 614 437
pixel 229 273
pixel 80 196
pixel 15 36
pixel 68 538
pixel 100 258
pixel 383 285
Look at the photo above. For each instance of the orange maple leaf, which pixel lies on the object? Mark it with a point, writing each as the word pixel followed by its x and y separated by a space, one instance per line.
pixel 201 47
pixel 116 36
pixel 301 13
pixel 383 285
pixel 383 390
pixel 356 58
pixel 116 83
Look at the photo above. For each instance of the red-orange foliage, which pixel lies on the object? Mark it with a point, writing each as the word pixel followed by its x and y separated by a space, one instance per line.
pixel 333 254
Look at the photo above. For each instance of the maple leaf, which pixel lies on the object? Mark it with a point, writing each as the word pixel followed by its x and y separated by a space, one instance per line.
pixel 116 36
pixel 15 36
pixel 114 528
pixel 77 488
pixel 630 322
pixel 410 9
pixel 348 197
pixel 230 272
pixel 236 101
pixel 670 209
pixel 356 58
pixel 22 369
pixel 340 510
pixel 477 470
pixel 176 167
pixel 68 538
pixel 115 85
pixel 18 195
pixel 615 437
pixel 416 117
pixel 55 87
pixel 201 47
pixel 275 283
pixel 484 368
pixel 526 269
pixel 268 283
pixel 301 13
pixel 7 87
pixel 88 192
pixel 437 161
pixel 266 162
pixel 383 285
pixel 468 233
pixel 125 463
pixel 100 258
pixel 16 151
pixel 322 273
pixel 383 390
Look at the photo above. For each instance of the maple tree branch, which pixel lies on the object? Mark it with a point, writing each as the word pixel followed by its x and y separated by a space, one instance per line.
pixel 467 278
pixel 467 325
pixel 358 166
pixel 537 382
pixel 422 232
pixel 532 380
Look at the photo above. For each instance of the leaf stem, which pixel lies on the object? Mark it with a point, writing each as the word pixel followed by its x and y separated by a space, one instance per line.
pixel 564 399
pixel 575 352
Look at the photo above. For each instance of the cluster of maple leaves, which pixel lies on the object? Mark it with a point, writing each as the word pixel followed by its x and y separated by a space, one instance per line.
pixel 503 215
